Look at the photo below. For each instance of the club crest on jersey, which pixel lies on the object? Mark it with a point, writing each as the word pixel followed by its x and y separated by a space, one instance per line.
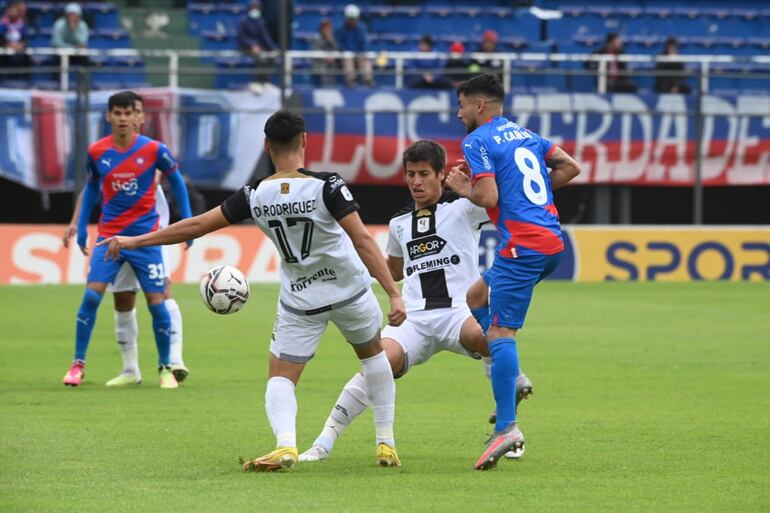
pixel 423 225
pixel 425 246
pixel 284 188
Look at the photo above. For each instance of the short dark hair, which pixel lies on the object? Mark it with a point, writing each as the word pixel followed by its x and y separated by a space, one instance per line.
pixel 485 84
pixel 426 151
pixel 137 97
pixel 122 99
pixel 426 39
pixel 283 130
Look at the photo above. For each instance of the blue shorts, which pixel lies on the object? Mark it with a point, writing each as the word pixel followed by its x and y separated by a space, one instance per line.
pixel 511 283
pixel 147 264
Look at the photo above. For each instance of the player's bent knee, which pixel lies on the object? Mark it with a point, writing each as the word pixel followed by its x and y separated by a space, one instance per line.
pixel 478 294
pixel 496 332
pixel 371 347
pixel 395 354
pixel 154 298
pixel 291 370
pixel 124 301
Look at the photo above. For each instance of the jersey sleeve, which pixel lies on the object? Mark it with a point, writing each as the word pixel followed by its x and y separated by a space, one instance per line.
pixel 393 248
pixel 476 153
pixel 92 175
pixel 546 146
pixel 476 215
pixel 236 208
pixel 338 198
pixel 166 161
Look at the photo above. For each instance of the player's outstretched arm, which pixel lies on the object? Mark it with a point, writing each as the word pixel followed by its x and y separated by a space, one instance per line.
pixel 182 197
pixel 72 229
pixel 371 255
pixel 182 231
pixel 563 168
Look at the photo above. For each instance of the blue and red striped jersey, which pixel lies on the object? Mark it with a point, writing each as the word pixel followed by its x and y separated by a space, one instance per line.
pixel 525 216
pixel 127 178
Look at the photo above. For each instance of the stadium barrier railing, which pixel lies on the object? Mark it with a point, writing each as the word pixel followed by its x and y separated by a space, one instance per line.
pixel 293 63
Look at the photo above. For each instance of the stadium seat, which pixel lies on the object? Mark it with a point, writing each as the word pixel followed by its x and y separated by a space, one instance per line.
pixel 107 39
pixel 214 40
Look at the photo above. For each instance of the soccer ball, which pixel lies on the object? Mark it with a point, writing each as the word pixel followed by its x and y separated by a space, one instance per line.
pixel 224 289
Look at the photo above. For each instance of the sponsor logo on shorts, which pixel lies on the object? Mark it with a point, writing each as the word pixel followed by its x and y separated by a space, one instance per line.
pixel 425 246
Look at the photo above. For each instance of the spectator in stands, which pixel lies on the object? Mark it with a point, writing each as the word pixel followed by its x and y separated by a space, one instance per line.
pixel 352 37
pixel 429 71
pixel 618 80
pixel 456 68
pixel 13 36
pixel 70 31
pixel 672 82
pixel 254 39
pixel 490 64
pixel 325 69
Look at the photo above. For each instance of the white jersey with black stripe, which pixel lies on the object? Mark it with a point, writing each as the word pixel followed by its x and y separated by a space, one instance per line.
pixel 440 248
pixel 299 212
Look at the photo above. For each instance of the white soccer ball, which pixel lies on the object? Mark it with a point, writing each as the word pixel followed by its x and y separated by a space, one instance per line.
pixel 224 289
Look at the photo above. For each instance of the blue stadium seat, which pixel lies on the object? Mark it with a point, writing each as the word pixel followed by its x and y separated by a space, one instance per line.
pixel 43 14
pixel 202 17
pixel 213 40
pixel 102 15
pixel 106 39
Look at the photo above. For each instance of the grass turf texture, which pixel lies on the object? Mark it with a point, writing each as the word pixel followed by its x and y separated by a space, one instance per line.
pixel 649 397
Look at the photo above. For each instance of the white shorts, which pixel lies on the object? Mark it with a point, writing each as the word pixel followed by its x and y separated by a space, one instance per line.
pixel 296 336
pixel 427 332
pixel 126 280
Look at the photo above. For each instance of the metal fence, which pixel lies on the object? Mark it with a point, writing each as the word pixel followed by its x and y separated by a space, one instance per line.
pixel 293 69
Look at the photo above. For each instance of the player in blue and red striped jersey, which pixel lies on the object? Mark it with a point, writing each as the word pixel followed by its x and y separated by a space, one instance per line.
pixel 122 168
pixel 510 178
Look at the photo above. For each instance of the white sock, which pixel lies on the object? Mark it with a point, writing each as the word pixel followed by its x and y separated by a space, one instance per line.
pixel 126 331
pixel 176 331
pixel 381 392
pixel 487 367
pixel 281 408
pixel 350 404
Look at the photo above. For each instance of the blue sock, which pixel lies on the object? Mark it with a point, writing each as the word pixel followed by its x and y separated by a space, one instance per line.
pixel 161 325
pixel 505 369
pixel 85 322
pixel 481 314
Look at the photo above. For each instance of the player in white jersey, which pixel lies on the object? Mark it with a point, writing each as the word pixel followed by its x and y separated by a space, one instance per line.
pixel 125 287
pixel 434 247
pixel 327 257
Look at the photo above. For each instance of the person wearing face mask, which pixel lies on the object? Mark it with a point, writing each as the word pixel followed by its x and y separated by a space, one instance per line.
pixel 254 40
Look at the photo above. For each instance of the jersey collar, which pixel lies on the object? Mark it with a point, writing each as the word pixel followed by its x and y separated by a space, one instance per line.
pixel 123 150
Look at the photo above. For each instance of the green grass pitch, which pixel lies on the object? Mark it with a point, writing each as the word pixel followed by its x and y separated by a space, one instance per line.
pixel 648 397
